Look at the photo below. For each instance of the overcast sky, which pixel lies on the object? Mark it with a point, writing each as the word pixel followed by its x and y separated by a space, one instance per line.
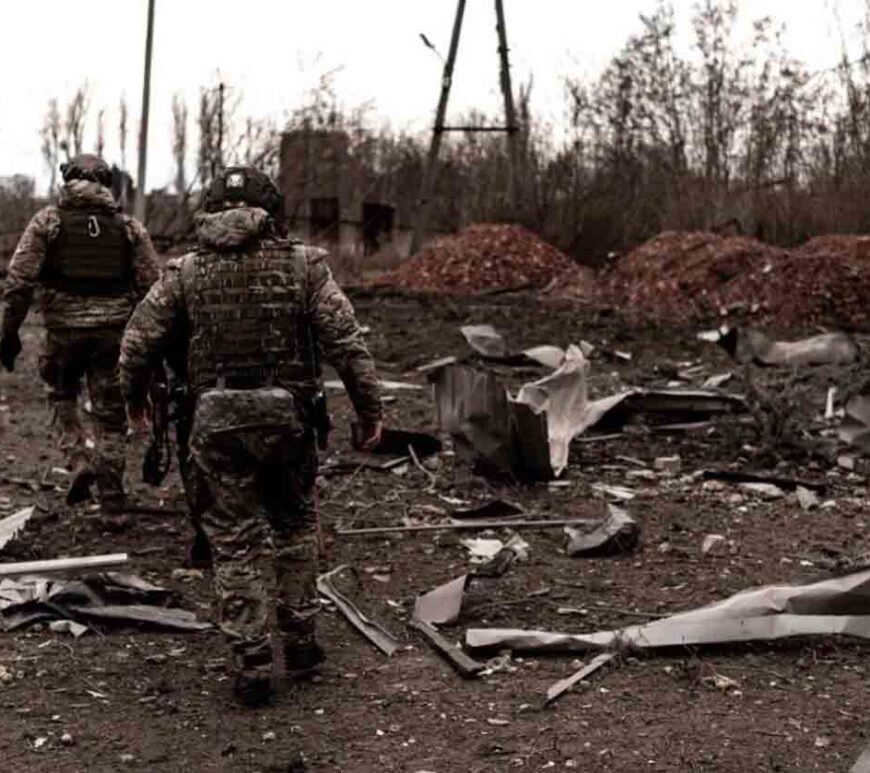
pixel 270 52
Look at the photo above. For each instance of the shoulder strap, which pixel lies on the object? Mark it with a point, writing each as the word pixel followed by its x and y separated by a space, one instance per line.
pixel 187 275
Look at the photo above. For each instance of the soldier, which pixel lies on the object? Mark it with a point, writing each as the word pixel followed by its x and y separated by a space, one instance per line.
pixel 93 264
pixel 252 311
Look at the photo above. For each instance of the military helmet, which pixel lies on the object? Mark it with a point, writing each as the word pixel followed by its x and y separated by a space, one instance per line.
pixel 87 166
pixel 243 185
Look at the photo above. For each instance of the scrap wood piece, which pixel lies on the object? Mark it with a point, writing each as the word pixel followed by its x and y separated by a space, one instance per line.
pixel 563 685
pixel 170 618
pixel 467 666
pixel 466 525
pixel 12 524
pixel 832 606
pixel 786 484
pixel 64 565
pixel 377 635
pixel 618 533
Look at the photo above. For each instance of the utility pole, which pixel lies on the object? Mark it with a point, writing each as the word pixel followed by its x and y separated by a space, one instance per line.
pixel 143 125
pixel 427 185
pixel 424 200
pixel 509 111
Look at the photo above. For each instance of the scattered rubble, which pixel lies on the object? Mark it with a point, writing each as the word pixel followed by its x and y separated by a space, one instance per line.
pixel 529 435
pixel 111 598
pixel 618 533
pixel 670 465
pixel 713 544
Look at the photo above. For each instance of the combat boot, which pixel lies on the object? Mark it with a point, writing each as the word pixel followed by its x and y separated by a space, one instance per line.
pixel 253 689
pixel 81 480
pixel 302 659
pixel 200 552
pixel 253 686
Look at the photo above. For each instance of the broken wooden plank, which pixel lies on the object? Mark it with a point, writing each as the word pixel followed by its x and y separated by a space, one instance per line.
pixel 563 685
pixel 467 525
pixel 466 666
pixel 64 565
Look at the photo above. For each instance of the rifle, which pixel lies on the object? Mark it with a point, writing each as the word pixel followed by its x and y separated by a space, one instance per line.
pixel 159 453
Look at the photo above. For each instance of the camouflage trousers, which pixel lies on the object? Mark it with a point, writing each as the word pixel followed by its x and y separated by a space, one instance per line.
pixel 73 356
pixel 253 473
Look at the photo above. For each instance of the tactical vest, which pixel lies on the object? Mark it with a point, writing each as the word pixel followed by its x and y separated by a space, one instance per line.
pixel 248 324
pixel 91 255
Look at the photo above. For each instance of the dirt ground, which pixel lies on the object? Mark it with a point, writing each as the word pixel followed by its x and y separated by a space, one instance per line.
pixel 150 701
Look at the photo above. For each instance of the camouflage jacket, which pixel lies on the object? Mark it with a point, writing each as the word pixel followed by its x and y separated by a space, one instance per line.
pixel 66 310
pixel 159 324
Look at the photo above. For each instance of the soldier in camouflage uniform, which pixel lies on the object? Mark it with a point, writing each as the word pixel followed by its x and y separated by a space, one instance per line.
pixel 92 264
pixel 253 310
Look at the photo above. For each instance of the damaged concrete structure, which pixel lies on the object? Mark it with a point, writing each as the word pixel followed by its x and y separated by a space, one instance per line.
pixel 333 198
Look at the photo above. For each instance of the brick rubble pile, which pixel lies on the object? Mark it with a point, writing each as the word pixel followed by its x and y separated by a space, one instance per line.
pixel 702 275
pixel 487 257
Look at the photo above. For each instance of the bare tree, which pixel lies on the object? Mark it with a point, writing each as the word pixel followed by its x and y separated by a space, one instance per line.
pixel 101 132
pixel 122 132
pixel 207 157
pixel 50 133
pixel 74 123
pixel 179 142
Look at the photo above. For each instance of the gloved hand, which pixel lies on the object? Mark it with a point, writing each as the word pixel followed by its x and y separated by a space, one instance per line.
pixel 367 435
pixel 10 348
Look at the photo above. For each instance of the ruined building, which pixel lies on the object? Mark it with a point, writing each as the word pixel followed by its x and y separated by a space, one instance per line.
pixel 338 199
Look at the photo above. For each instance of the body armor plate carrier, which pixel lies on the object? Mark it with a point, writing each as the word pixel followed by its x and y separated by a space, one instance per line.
pixel 249 327
pixel 91 255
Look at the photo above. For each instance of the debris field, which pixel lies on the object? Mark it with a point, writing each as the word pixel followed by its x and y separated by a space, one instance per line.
pixel 669 515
